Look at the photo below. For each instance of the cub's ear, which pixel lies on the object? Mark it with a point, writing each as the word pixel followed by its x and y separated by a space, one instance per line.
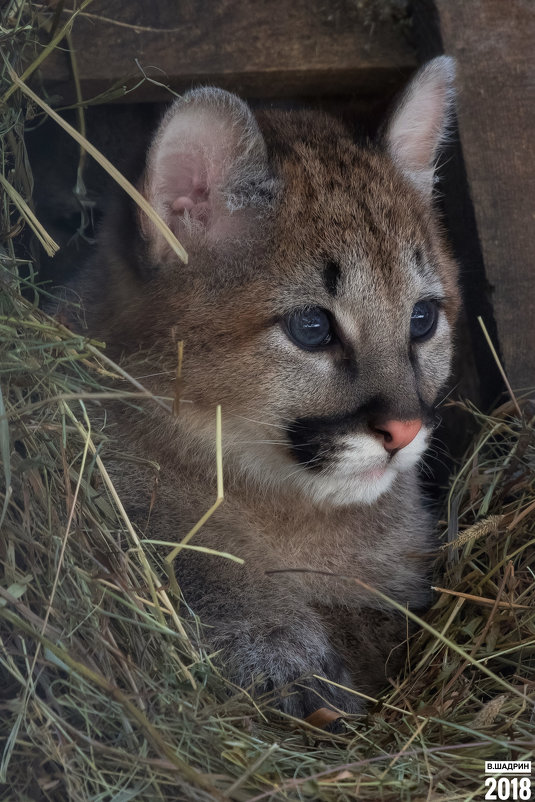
pixel 420 122
pixel 207 172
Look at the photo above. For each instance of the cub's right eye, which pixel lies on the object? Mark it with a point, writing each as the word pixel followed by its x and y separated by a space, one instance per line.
pixel 309 328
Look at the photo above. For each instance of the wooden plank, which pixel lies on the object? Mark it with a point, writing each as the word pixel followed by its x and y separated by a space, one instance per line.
pixel 259 48
pixel 493 43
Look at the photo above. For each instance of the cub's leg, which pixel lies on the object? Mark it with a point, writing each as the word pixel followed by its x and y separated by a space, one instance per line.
pixel 267 636
pixel 372 643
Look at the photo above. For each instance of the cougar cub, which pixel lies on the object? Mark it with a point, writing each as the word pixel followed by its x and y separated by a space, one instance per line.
pixel 317 308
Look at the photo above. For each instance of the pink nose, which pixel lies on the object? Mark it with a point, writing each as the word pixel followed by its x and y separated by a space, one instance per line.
pixel 397 434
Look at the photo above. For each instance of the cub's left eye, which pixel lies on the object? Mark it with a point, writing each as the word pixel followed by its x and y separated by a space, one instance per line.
pixel 424 319
pixel 309 328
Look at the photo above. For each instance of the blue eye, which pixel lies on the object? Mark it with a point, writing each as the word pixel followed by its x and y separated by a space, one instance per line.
pixel 309 328
pixel 424 320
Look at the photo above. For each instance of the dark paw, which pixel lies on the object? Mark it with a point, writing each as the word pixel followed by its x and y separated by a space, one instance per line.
pixel 295 669
pixel 307 694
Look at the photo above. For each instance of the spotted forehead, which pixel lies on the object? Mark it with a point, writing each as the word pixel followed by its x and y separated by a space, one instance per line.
pixel 347 217
pixel 336 198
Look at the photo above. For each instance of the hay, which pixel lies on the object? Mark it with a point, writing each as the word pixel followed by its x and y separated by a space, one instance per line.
pixel 106 692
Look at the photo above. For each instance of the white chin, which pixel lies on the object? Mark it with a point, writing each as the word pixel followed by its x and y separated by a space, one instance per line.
pixel 343 490
pixel 360 475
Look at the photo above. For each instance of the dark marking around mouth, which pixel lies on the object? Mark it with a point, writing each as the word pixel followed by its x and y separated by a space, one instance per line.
pixel 310 446
pixel 313 441
pixel 331 277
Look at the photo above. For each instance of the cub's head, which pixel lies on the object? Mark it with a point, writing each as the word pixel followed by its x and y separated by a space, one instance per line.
pixel 318 302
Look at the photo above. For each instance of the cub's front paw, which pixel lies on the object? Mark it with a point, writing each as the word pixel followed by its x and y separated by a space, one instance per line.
pixel 315 689
pixel 285 664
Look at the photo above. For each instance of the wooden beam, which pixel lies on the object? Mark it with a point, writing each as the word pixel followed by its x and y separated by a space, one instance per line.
pixel 493 42
pixel 259 48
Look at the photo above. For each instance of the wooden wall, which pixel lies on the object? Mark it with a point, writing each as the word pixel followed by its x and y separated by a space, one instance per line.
pixel 259 48
pixel 494 44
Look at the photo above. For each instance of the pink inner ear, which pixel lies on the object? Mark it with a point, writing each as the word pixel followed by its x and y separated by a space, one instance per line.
pixel 182 204
pixel 207 144
pixel 420 123
pixel 195 201
pixel 182 185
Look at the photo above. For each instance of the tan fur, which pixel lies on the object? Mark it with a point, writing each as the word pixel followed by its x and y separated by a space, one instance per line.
pixel 264 207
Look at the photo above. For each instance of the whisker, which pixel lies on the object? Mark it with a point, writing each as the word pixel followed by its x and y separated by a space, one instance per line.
pixel 260 422
pixel 261 442
pixel 303 465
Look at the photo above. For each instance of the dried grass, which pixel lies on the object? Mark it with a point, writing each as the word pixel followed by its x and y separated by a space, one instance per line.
pixel 105 693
